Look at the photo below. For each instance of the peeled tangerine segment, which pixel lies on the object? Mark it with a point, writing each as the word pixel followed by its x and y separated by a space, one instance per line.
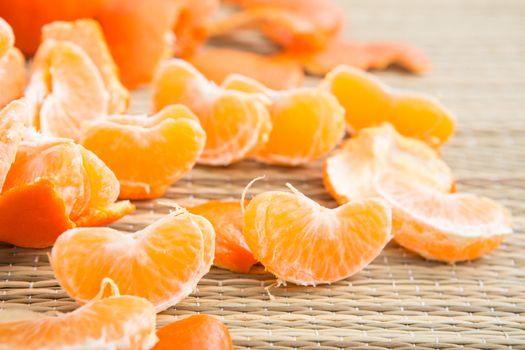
pixel 236 124
pixel 349 173
pixel 307 122
pixel 7 37
pixel 368 102
pixel 231 250
pixel 300 241
pixel 274 72
pixel 442 226
pixel 164 147
pixel 12 129
pixel 87 34
pixel 12 66
pixel 201 332
pixel 118 322
pixel 65 90
pixel 162 263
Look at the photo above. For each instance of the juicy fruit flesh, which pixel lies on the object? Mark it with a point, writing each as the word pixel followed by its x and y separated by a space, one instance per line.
pixel 161 263
pixel 299 241
pixel 118 322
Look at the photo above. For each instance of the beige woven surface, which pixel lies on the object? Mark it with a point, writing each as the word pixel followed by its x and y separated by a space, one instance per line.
pixel 400 300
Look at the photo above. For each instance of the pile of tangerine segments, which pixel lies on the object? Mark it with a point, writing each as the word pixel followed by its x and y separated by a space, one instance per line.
pixel 71 160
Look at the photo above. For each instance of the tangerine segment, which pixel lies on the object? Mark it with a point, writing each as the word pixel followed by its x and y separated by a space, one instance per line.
pixel 201 332
pixel 7 37
pixel 118 322
pixel 32 215
pixel 368 102
pixel 366 56
pixel 165 148
pixel 102 216
pixel 231 250
pixel 139 35
pixel 12 129
pixel 276 73
pixel 65 89
pixel 313 116
pixel 87 34
pixel 440 226
pixel 349 173
pixel 162 263
pixel 12 76
pixel 236 123
pixel 300 241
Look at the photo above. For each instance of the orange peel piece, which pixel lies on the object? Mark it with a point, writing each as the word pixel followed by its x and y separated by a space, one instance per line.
pixel 236 123
pixel 368 102
pixel 314 117
pixel 441 226
pixel 152 142
pixel 275 72
pixel 349 173
pixel 231 250
pixel 162 263
pixel 201 332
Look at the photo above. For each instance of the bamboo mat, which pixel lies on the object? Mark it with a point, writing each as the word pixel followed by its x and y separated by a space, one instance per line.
pixel 400 301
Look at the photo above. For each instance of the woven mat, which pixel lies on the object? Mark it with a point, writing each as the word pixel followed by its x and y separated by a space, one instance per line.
pixel 400 300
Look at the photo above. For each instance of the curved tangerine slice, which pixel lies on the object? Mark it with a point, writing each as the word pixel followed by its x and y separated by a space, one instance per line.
pixel 231 250
pixel 12 76
pixel 118 322
pixel 300 241
pixel 236 123
pixel 7 37
pixel 201 332
pixel 368 102
pixel 366 56
pixel 165 148
pixel 87 34
pixel 349 173
pixel 32 215
pixel 162 263
pixel 312 116
pixel 440 226
pixel 276 73
pixel 12 128
pixel 66 89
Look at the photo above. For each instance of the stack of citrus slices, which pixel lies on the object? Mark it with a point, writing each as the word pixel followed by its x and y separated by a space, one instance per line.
pixel 69 150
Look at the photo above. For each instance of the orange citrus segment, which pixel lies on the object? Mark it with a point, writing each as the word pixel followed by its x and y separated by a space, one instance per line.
pixel 276 73
pixel 161 263
pixel 101 216
pixel 87 34
pixel 12 76
pixel 231 250
pixel 366 56
pixel 65 89
pixel 165 147
pixel 441 226
pixel 7 37
pixel 12 128
pixel 368 102
pixel 201 332
pixel 32 215
pixel 300 241
pixel 236 124
pixel 117 322
pixel 312 116
pixel 349 173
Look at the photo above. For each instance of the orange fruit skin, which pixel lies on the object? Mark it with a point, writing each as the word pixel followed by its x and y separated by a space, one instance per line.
pixel 32 215
pixel 236 124
pixel 299 241
pixel 117 322
pixel 28 16
pixel 165 148
pixel 138 33
pixel 231 250
pixel 441 226
pixel 349 173
pixel 366 56
pixel 201 332
pixel 368 102
pixel 162 263
pixel 276 73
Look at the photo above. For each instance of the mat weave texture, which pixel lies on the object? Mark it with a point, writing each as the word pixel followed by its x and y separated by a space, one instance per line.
pixel 400 301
